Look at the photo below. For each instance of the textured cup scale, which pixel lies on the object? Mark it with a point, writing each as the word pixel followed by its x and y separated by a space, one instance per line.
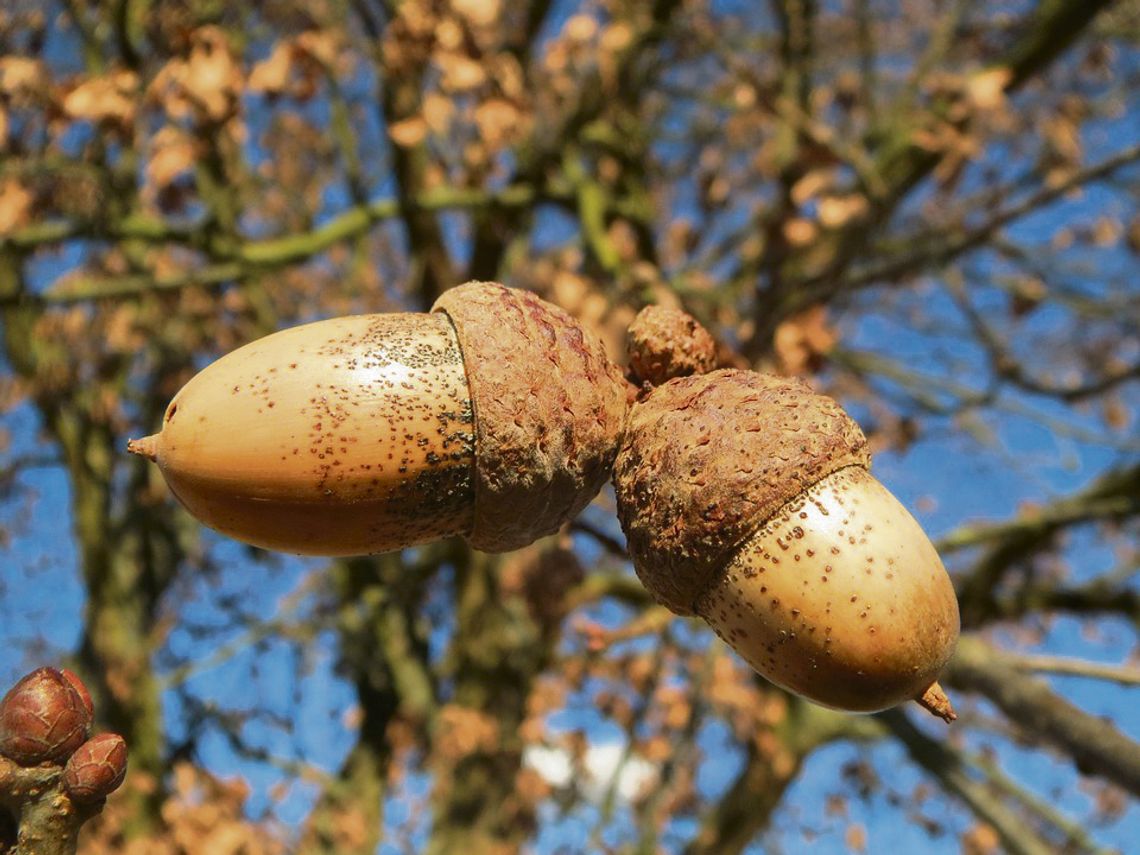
pixel 549 410
pixel 707 458
pixel 341 437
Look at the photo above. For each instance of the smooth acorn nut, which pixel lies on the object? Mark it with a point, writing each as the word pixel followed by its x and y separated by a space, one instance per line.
pixel 96 769
pixel 496 417
pixel 747 500
pixel 43 719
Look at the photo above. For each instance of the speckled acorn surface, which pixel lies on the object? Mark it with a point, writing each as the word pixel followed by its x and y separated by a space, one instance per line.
pixel 495 417
pixel 96 769
pixel 43 718
pixel 747 500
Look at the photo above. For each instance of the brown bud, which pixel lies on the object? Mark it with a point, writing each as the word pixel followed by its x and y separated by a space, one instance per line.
pixel 495 417
pixel 747 500
pixel 666 343
pixel 96 769
pixel 42 718
pixel 80 689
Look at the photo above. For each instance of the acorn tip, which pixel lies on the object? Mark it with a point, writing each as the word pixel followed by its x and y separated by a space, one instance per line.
pixel 146 447
pixel 937 702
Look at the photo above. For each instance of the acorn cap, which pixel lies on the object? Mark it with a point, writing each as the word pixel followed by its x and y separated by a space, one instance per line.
pixel 707 459
pixel 549 407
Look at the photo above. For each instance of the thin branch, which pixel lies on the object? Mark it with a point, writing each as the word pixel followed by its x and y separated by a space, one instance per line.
pixel 1075 832
pixel 1096 746
pixel 1094 598
pixel 1123 674
pixel 48 820
pixel 1013 370
pixel 953 772
pixel 924 389
pixel 936 248
pixel 1114 495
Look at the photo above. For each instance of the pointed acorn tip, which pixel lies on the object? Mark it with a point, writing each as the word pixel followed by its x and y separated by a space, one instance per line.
pixel 146 447
pixel 936 701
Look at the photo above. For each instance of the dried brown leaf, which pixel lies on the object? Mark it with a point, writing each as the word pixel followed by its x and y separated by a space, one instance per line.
pixel 478 13
pixel 15 204
pixel 409 132
pixel 986 90
pixel 271 75
pixel 174 152
pixel 803 341
pixel 460 73
pixel 113 97
pixel 498 122
pixel 982 839
pixel 21 74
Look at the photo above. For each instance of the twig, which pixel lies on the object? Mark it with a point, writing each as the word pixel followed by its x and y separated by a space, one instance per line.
pixel 952 771
pixel 1122 674
pixel 1096 746
pixel 48 820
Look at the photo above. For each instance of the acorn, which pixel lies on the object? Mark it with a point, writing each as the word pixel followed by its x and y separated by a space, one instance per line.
pixel 496 417
pixel 96 769
pixel 746 499
pixel 43 718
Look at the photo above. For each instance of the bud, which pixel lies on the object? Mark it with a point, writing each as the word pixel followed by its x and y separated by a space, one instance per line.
pixel 43 718
pixel 96 769
pixel 80 689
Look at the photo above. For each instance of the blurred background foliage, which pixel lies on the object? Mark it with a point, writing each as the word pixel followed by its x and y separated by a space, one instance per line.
pixel 927 208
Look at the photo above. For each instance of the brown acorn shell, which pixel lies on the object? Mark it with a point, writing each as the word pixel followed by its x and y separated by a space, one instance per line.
pixel 346 436
pixel 549 409
pixel 707 459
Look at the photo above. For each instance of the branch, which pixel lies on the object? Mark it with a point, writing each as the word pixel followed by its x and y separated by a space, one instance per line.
pixel 1122 674
pixel 747 807
pixel 952 771
pixel 48 820
pixel 903 164
pixel 280 250
pixel 1094 598
pixel 936 248
pixel 1008 367
pixel 1115 495
pixel 1112 496
pixel 1096 746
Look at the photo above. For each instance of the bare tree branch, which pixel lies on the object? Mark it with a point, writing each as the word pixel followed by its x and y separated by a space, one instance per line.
pixel 952 770
pixel 1123 674
pixel 1096 746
